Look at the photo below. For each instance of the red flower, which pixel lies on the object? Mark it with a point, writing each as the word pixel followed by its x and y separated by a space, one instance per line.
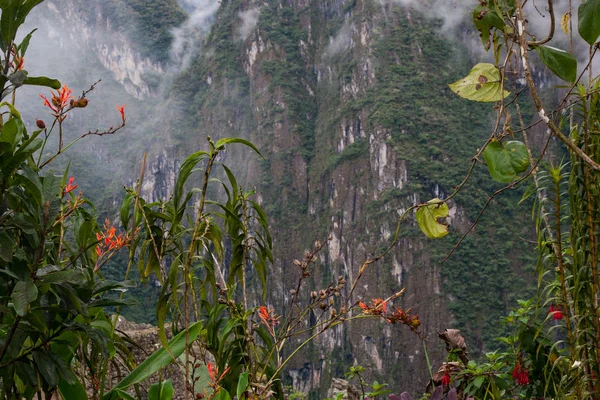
pixel 267 317
pixel 556 312
pixel 446 379
pixel 20 61
pixel 109 242
pixel 212 372
pixel 520 374
pixel 121 109
pixel 70 187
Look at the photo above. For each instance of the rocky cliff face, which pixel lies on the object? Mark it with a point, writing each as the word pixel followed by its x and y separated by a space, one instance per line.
pixel 347 100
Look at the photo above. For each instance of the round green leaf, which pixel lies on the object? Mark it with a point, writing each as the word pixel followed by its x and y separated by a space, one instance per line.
pixel 431 218
pixel 589 20
pixel 562 63
pixel 483 84
pixel 506 161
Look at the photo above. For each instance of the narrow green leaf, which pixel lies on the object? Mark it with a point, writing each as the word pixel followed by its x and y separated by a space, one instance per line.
pixel 483 84
pixel 121 394
pixel 219 145
pixel 42 81
pixel 25 43
pixel 506 161
pixel 560 62
pixel 431 218
pixel 589 20
pixel 184 173
pixel 24 293
pixel 63 276
pixel 159 359
pixel 242 384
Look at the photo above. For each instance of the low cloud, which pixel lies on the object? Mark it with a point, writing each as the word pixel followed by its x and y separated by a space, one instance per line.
pixel 249 21
pixel 340 42
pixel 452 12
pixel 186 38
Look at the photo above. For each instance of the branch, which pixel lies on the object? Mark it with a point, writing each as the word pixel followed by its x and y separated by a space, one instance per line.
pixel 536 98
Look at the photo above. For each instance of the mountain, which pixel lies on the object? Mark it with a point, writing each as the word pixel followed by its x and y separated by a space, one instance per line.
pixel 348 102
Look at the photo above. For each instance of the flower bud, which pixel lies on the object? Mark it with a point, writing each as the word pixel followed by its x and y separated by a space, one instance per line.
pixel 40 124
pixel 82 102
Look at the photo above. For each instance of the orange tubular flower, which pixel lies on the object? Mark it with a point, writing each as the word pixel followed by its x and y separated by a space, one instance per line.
pixel 211 371
pixel 121 109
pixel 70 187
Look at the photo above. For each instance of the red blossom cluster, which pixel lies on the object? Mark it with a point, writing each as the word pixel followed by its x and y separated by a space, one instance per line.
pixel 62 101
pixel 109 242
pixel 379 307
pixel 268 318
pixel 59 102
pixel 520 374
pixel 556 312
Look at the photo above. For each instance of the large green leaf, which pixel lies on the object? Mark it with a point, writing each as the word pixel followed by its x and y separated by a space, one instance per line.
pixel 161 391
pixel 42 81
pixel 562 63
pixel 431 218
pixel 589 20
pixel 7 245
pixel 12 131
pixel 45 364
pixel 506 161
pixel 159 359
pixel 24 293
pixel 13 15
pixel 72 391
pixel 483 84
